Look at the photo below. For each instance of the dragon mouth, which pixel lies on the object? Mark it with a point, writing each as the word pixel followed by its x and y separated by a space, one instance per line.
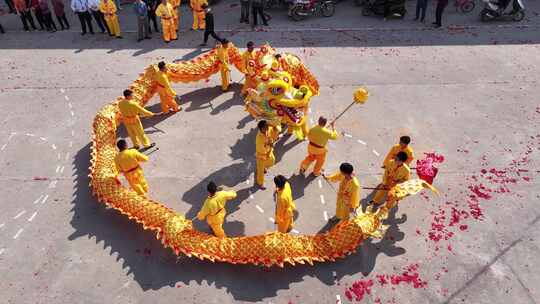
pixel 293 114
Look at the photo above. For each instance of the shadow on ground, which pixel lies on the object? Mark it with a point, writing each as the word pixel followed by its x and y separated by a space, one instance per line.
pixel 154 267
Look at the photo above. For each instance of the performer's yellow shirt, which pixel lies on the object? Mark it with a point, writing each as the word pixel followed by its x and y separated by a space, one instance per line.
pixel 175 3
pixel 395 150
pixel 394 174
pixel 129 109
pixel 107 8
pixel 320 136
pixel 197 5
pixel 223 56
pixel 285 204
pixel 163 81
pixel 349 189
pixel 214 204
pixel 264 143
pixel 165 11
pixel 246 57
pixel 129 159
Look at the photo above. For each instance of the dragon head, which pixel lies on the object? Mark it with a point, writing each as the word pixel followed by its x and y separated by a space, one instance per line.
pixel 289 103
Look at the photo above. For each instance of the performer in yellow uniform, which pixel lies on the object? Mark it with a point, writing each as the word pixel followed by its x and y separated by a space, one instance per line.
pixel 130 111
pixel 198 14
pixel 175 4
pixel 167 96
pixel 165 11
pixel 127 162
pixel 264 150
pixel 213 208
pixel 395 172
pixel 248 62
pixel 108 8
pixel 403 145
pixel 348 196
pixel 284 204
pixel 318 137
pixel 223 56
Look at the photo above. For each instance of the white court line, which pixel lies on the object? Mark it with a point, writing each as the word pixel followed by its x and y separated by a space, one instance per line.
pixel 70 144
pixel 19 214
pixel 67 156
pixel 347 135
pixel 375 152
pixel 361 142
pixel 247 181
pixel 45 199
pixel 32 217
pixel 322 199
pixel 271 219
pixel 72 132
pixel 30 134
pixel 338 299
pixel 251 196
pixel 2 225
pixel 72 114
pixel 325 214
pixel 320 183
pixel 62 91
pixel 295 231
pixel 11 135
pixel 62 170
pixel 70 105
pixel 259 208
pixel 57 168
pixel 53 184
pixel 4 146
pixel 66 97
pixel 18 234
pixel 38 199
pixel 43 138
pixel 2 250
pixel 53 146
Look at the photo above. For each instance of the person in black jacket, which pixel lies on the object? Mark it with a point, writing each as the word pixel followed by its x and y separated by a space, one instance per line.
pixel 257 8
pixel 441 5
pixel 152 6
pixel 209 30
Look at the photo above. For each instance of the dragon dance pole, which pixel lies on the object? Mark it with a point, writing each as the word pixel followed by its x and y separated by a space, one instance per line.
pixel 360 97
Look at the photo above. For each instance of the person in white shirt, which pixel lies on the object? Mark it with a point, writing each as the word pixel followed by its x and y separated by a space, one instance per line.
pixel 93 6
pixel 80 7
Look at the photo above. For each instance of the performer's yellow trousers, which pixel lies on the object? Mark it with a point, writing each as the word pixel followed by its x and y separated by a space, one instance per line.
pixel 225 79
pixel 169 32
pixel 249 83
pixel 167 101
pixel 303 127
pixel 319 160
pixel 285 224
pixel 113 24
pixel 342 210
pixel 216 223
pixel 263 164
pixel 176 19
pixel 136 181
pixel 198 20
pixel 378 198
pixel 136 134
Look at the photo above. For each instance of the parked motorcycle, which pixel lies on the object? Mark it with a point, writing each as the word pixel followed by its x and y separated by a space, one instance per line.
pixel 495 10
pixel 303 8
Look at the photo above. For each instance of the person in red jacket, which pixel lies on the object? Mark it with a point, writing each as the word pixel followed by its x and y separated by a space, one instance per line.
pixel 47 16
pixel 58 6
pixel 23 10
pixel 36 8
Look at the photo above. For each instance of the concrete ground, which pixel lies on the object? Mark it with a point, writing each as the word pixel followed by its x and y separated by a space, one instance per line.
pixel 468 91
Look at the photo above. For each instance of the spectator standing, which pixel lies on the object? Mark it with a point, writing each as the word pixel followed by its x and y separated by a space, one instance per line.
pixel 58 6
pixel 152 6
pixel 441 5
pixel 108 8
pixel 47 16
pixel 244 11
pixel 80 7
pixel 143 26
pixel 257 8
pixel 198 14
pixel 11 6
pixel 2 29
pixel 23 10
pixel 209 29
pixel 34 4
pixel 93 6
pixel 118 4
pixel 421 6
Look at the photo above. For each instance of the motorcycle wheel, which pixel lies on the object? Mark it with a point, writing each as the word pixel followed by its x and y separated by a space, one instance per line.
pixel 484 16
pixel 296 13
pixel 366 11
pixel 328 9
pixel 518 16
pixel 467 7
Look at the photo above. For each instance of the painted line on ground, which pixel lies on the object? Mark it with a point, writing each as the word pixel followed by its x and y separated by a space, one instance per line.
pixel 18 233
pixel 347 135
pixel 271 219
pixel 375 152
pixel 320 183
pixel 322 199
pixel 295 231
pixel 53 184
pixel 32 217
pixel 3 147
pixel 43 138
pixel 19 214
pixel 361 142
pixel 259 208
pixel 45 199
pixel 72 113
pixel 2 250
pixel 66 97
pixel 53 146
pixel 38 199
pixel 251 196
pixel 70 144
pixel 30 134
pixel 2 225
pixel 325 214
pixel 62 91
pixel 247 181
pixel 62 170
pixel 11 135
pixel 72 132
pixel 57 168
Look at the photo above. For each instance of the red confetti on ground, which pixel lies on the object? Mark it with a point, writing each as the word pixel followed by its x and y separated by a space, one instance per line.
pixel 359 289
